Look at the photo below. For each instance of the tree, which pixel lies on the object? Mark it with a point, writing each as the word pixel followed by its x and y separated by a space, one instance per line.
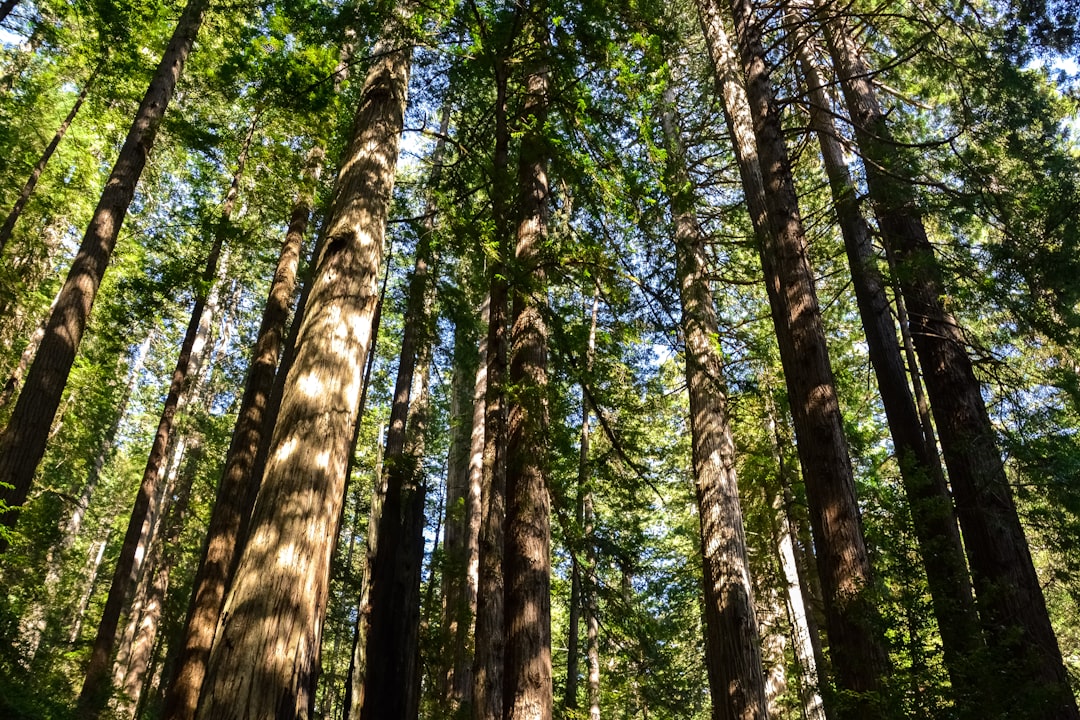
pixel 1007 588
pixel 732 641
pixel 23 441
pixel 286 560
pixel 859 656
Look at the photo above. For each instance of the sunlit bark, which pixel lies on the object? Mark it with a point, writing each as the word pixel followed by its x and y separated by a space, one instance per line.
pixel 267 644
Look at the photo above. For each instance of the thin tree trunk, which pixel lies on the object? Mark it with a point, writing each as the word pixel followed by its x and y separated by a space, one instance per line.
pixel 590 584
pixel 11 385
pixel 39 167
pixel 235 495
pixel 1010 597
pixel 22 444
pixel 860 660
pixel 934 522
pixel 411 567
pixel 358 662
pixel 279 591
pixel 732 648
pixel 145 508
pixel 69 530
pixel 806 638
pixel 528 689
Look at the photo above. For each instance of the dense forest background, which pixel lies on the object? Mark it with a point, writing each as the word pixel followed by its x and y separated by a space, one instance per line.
pixel 539 358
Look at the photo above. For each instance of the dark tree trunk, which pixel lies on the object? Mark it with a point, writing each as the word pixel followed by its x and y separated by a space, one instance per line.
pixel 860 660
pixel 386 688
pixel 528 523
pixel 232 508
pixel 733 643
pixel 22 444
pixel 928 495
pixel 1010 598
pixel 490 636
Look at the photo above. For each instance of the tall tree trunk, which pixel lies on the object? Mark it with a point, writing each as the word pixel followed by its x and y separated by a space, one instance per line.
pixel 934 521
pixel 413 523
pixel 354 683
pixel 733 643
pixel 279 591
pixel 386 686
pixel 490 635
pixel 528 688
pixel 589 581
pixel 39 167
pixel 860 659
pixel 461 589
pixel 145 508
pixel 1010 598
pixel 22 444
pixel 232 508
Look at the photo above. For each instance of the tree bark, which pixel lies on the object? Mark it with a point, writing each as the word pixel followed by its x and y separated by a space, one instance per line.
pixel 589 581
pixel 528 524
pixel 733 643
pixel 933 518
pixel 133 680
pixel 490 638
pixel 22 444
pixel 860 659
pixel 279 591
pixel 35 174
pixel 462 573
pixel 232 508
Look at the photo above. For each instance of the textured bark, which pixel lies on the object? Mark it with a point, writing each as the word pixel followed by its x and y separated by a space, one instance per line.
pixel 266 647
pixel 796 569
pixel 528 524
pixel 22 444
pixel 133 680
pixel 232 508
pixel 410 567
pixel 464 512
pixel 860 660
pixel 934 521
pixel 354 685
pixel 490 638
pixel 732 648
pixel 1010 598
pixel 39 167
